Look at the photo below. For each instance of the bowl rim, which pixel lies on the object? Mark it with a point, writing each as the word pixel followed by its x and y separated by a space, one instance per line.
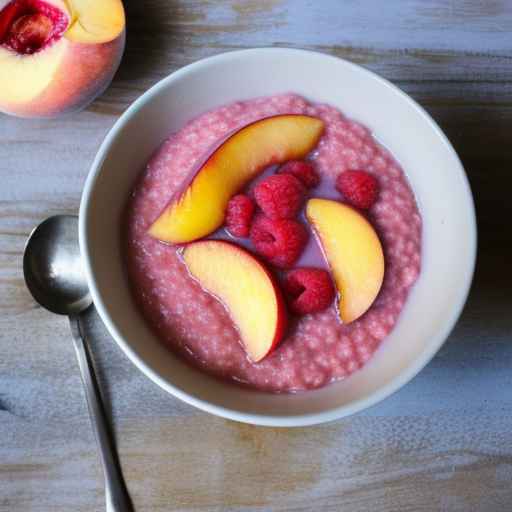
pixel 266 419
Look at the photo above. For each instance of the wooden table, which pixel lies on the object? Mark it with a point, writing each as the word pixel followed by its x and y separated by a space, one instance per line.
pixel 444 442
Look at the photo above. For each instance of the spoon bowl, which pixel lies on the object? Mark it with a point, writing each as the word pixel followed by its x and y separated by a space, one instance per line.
pixel 53 267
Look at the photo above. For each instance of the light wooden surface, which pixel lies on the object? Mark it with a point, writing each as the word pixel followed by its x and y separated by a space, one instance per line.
pixel 442 443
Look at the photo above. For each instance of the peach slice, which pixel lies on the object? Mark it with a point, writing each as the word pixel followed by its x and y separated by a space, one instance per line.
pixel 56 56
pixel 245 288
pixel 353 251
pixel 201 207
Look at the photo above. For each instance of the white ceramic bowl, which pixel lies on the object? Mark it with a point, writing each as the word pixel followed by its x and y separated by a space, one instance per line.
pixel 433 169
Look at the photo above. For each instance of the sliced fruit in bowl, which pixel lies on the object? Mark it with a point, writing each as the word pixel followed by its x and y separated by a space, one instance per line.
pixel 201 207
pixel 353 251
pixel 56 56
pixel 245 287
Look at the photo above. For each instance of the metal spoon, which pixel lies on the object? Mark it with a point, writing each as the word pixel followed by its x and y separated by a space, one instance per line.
pixel 53 272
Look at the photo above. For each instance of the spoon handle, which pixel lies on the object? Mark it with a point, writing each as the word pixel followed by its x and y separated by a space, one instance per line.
pixel 115 490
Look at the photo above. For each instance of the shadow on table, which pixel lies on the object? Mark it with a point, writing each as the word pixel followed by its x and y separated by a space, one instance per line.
pixel 472 370
pixel 481 141
pixel 149 34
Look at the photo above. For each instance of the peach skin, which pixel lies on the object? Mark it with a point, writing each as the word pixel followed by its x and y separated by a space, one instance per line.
pixel 57 56
pixel 353 251
pixel 201 207
pixel 246 289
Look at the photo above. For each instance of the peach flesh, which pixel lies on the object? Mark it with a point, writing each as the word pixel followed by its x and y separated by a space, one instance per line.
pixel 30 25
pixel 354 252
pixel 200 207
pixel 245 287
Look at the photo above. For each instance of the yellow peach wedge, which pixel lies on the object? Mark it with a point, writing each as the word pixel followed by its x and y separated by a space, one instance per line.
pixel 201 207
pixel 353 251
pixel 246 289
pixel 56 56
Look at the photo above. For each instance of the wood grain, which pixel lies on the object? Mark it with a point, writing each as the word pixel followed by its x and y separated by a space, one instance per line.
pixel 444 442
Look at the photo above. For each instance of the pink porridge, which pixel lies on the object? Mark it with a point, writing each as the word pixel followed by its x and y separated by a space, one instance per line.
pixel 318 349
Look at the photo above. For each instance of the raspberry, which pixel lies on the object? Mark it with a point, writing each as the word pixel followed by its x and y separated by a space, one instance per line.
pixel 280 196
pixel 280 241
pixel 359 188
pixel 310 289
pixel 239 215
pixel 303 171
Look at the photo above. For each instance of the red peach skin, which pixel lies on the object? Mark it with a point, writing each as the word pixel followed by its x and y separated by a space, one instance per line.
pixel 75 89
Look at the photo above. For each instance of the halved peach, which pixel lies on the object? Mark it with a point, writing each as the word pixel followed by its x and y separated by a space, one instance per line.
pixel 353 252
pixel 246 289
pixel 201 208
pixel 56 56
